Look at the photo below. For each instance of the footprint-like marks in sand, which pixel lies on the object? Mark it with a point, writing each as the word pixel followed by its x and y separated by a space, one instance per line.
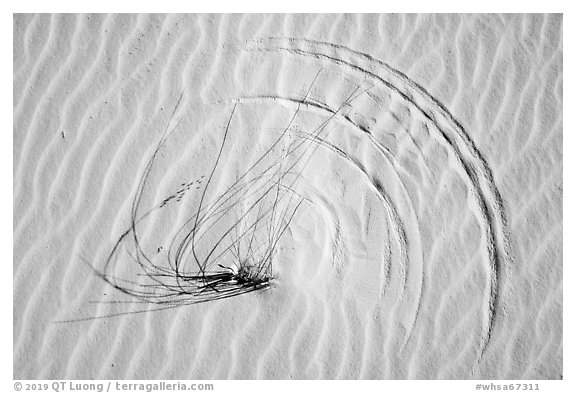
pixel 319 168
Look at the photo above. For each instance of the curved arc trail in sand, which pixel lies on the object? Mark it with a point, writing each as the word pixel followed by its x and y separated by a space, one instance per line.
pixel 473 166
pixel 397 219
pixel 406 298
pixel 458 144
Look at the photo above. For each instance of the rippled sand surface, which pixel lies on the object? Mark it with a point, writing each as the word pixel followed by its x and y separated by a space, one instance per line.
pixel 398 177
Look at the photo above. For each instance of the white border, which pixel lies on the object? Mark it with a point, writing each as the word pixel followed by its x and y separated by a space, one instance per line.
pixel 305 6
pixel 294 6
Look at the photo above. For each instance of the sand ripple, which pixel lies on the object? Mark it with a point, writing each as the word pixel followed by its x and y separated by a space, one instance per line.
pixel 427 240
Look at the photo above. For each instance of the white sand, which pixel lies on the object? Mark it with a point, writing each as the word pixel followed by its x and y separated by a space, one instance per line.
pixel 428 242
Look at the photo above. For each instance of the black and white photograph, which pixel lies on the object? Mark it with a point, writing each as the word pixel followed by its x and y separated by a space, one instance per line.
pixel 287 196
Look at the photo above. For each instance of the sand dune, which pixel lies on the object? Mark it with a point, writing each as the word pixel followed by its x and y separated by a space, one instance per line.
pixel 287 196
